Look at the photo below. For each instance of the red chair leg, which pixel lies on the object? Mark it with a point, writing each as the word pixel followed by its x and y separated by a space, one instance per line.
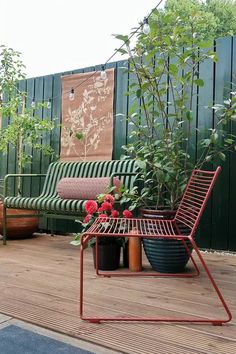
pixel 192 259
pixel 220 296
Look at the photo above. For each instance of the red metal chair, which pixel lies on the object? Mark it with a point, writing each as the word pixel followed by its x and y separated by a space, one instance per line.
pixel 189 213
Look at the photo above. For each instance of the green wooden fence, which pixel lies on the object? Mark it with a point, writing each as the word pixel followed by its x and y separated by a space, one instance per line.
pixel 218 229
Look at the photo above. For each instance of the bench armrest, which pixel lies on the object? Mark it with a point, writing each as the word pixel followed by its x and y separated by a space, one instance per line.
pixel 114 174
pixel 15 175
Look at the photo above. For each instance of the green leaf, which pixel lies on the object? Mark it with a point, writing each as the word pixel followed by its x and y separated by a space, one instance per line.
pixel 222 156
pixel 173 69
pixel 79 135
pixel 189 116
pixel 122 51
pixel 123 38
pixel 208 158
pixel 141 164
pixel 205 44
pixel 138 93
pixel 199 82
pixel 75 243
pixel 229 141
pixel 205 142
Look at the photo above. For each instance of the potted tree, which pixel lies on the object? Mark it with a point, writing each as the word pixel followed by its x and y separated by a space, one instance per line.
pixel 23 132
pixel 165 64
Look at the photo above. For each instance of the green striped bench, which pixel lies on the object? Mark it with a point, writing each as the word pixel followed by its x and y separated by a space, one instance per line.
pixel 49 204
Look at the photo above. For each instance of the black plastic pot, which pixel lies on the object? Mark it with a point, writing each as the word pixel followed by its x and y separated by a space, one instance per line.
pixel 164 255
pixel 108 256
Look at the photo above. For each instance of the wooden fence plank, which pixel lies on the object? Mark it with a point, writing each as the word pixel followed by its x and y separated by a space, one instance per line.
pixel 221 191
pixel 54 224
pixel 36 162
pixel 203 123
pixel 30 90
pixel 120 109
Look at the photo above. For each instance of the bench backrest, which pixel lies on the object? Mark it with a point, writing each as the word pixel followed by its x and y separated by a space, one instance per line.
pixel 58 170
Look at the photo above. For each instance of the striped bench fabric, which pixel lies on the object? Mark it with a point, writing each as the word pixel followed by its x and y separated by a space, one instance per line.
pixel 50 202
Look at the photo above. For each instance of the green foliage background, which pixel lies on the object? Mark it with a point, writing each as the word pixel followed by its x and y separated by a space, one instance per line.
pixel 217 18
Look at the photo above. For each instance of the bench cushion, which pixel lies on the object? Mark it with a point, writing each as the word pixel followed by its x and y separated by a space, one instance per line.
pixel 84 188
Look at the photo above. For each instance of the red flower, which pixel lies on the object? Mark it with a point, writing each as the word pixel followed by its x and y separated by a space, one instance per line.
pixel 106 206
pixel 91 207
pixel 109 198
pixel 100 210
pixel 114 213
pixel 87 218
pixel 103 217
pixel 127 213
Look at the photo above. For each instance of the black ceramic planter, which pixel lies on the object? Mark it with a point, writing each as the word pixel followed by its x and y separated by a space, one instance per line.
pixel 108 256
pixel 165 255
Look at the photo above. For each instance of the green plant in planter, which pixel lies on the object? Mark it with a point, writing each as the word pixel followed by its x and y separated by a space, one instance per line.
pixel 25 130
pixel 165 65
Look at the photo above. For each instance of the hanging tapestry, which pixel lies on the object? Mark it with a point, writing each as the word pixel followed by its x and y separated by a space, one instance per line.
pixel 87 117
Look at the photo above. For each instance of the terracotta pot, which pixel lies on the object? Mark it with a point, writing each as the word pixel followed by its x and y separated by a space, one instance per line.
pixel 164 255
pixel 19 227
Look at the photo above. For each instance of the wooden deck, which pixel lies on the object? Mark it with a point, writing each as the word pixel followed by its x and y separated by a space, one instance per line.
pixel 39 283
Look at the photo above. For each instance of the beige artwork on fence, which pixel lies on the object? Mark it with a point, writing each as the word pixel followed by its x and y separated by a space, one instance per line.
pixel 87 120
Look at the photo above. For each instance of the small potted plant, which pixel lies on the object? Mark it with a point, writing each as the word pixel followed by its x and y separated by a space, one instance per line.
pixel 108 247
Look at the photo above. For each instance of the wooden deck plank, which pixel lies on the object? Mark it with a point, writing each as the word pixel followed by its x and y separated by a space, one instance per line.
pixel 39 283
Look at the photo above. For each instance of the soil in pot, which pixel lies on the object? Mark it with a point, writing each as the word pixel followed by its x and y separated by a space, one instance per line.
pixel 108 256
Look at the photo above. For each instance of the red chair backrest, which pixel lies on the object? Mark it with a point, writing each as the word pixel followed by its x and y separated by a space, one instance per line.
pixel 195 198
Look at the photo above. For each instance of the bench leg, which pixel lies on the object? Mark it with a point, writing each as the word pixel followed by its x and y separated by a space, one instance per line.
pixel 51 227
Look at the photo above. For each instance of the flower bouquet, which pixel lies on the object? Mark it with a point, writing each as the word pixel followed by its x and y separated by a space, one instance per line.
pixel 103 208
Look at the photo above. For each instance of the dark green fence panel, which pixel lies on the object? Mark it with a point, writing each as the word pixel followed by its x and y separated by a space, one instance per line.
pixel 220 210
pixel 47 115
pixel 204 121
pixel 121 104
pixel 219 223
pixel 37 160
pixel 232 161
